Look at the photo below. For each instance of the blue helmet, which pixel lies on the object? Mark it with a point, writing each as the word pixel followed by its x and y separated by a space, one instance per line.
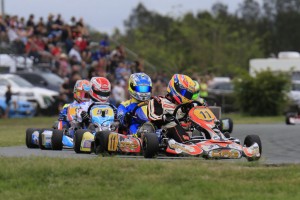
pixel 140 86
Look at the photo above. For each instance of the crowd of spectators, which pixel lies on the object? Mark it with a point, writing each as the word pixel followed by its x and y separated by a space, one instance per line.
pixel 66 47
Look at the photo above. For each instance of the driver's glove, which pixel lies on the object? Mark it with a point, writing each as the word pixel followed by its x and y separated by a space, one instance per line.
pixel 85 116
pixel 127 118
pixel 167 118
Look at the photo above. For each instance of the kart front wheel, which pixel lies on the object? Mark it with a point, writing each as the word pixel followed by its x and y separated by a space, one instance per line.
pixel 28 139
pixel 150 145
pixel 288 116
pixel 56 140
pixel 226 125
pixel 249 141
pixel 101 142
pixel 77 140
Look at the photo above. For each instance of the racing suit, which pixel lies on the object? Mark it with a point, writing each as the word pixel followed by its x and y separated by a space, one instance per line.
pixel 67 115
pixel 125 115
pixel 160 113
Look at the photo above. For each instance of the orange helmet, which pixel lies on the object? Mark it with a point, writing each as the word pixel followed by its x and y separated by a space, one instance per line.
pixel 81 90
pixel 100 89
pixel 181 88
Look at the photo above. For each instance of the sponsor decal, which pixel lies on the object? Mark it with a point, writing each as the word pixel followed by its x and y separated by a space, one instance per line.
pixel 128 144
pixel 225 153
pixel 181 147
pixel 113 141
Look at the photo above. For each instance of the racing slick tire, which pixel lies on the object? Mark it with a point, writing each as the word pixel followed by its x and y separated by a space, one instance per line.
pixel 287 118
pixel 250 140
pixel 150 145
pixel 29 132
pixel 101 142
pixel 56 139
pixel 77 140
pixel 226 125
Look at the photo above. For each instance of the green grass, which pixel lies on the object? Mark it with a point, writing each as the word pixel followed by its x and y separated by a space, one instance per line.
pixel 243 119
pixel 115 178
pixel 12 131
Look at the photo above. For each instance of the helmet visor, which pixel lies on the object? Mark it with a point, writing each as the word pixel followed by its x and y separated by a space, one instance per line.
pixel 184 92
pixel 142 88
pixel 100 93
pixel 82 95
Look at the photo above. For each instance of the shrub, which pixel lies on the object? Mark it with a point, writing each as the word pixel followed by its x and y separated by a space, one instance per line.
pixel 263 95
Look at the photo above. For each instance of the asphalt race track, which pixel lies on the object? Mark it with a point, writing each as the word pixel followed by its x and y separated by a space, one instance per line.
pixel 280 144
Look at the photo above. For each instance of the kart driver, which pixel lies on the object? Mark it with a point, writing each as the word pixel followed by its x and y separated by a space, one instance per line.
pixel 180 90
pixel 139 88
pixel 100 89
pixel 68 113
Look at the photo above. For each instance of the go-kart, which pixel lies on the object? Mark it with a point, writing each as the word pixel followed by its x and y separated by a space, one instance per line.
pixel 55 139
pixel 207 140
pixel 292 118
pixel 145 142
pixel 102 119
pixel 49 138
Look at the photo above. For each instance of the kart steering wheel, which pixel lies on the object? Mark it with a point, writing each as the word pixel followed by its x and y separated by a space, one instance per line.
pixel 187 105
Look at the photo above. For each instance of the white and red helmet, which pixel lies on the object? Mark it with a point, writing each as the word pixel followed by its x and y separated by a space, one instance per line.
pixel 100 89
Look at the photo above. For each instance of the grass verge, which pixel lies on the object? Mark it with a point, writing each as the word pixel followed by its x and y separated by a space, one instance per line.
pixel 115 178
pixel 12 131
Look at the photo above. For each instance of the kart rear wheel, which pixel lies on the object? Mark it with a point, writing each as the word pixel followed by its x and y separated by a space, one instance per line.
pixel 101 142
pixel 56 140
pixel 250 140
pixel 28 140
pixel 77 140
pixel 226 125
pixel 150 145
pixel 288 116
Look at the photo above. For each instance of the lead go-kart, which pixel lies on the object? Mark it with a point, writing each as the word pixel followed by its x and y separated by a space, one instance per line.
pixel 206 139
pixel 102 118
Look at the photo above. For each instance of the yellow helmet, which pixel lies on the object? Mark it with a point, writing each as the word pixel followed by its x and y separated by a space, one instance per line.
pixel 181 88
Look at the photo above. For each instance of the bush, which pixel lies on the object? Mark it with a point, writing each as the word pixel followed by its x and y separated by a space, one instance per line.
pixel 263 95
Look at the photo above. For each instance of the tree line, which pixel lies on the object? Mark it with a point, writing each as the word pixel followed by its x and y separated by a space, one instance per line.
pixel 214 41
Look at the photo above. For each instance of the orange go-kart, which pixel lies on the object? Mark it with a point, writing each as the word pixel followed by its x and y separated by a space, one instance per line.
pixel 207 140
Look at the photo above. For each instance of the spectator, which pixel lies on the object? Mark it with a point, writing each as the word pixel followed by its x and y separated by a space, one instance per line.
pixel 30 22
pixel 75 53
pixel 118 92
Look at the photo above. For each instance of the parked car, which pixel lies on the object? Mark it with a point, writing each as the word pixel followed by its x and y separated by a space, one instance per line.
pixel 45 100
pixel 42 79
pixel 221 93
pixel 19 108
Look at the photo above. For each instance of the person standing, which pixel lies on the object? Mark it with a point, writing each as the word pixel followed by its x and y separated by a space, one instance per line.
pixel 8 95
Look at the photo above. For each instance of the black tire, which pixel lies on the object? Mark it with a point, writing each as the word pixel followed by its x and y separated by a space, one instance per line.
pixel 77 140
pixel 101 142
pixel 230 125
pixel 288 116
pixel 29 132
pixel 150 145
pixel 56 140
pixel 250 140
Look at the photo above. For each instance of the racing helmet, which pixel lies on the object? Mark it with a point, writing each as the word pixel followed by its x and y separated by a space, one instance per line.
pixel 100 89
pixel 197 91
pixel 181 88
pixel 140 86
pixel 81 90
